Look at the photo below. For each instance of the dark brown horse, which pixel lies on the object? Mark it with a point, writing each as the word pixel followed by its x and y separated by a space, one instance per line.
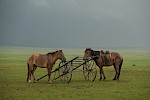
pixel 102 58
pixel 43 61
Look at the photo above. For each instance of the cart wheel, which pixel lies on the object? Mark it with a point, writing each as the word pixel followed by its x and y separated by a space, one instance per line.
pixel 57 73
pixel 65 73
pixel 89 71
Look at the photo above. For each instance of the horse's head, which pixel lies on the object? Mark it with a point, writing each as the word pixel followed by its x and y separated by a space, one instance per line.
pixel 88 54
pixel 61 55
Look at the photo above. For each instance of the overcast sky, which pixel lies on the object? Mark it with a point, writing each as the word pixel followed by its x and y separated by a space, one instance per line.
pixel 75 23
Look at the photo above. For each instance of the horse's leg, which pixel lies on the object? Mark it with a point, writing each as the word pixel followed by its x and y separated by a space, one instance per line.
pixel 30 67
pixel 49 68
pixel 115 71
pixel 103 74
pixel 100 73
pixel 48 73
pixel 120 68
pixel 34 68
pixel 29 80
pixel 28 72
pixel 118 74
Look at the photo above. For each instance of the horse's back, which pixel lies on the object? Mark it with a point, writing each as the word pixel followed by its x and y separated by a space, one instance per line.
pixel 32 58
pixel 39 60
pixel 116 55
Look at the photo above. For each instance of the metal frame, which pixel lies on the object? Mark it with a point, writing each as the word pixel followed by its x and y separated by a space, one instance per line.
pixel 64 70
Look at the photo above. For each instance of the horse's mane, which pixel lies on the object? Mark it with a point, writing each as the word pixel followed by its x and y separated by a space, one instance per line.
pixel 96 53
pixel 88 49
pixel 51 53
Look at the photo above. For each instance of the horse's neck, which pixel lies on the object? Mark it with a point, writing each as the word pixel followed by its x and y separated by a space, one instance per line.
pixel 54 58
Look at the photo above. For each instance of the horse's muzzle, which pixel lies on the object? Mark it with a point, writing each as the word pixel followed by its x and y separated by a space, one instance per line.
pixel 63 59
pixel 86 58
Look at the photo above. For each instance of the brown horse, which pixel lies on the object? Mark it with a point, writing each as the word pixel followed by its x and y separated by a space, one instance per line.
pixel 43 61
pixel 102 58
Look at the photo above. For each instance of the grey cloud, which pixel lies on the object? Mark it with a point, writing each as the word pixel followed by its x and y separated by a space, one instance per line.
pixel 75 23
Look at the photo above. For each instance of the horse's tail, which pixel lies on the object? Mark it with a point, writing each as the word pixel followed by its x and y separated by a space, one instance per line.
pixel 120 66
pixel 28 71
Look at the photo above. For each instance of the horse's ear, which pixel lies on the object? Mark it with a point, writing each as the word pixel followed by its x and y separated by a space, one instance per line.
pixel 57 50
pixel 60 50
pixel 102 51
pixel 88 49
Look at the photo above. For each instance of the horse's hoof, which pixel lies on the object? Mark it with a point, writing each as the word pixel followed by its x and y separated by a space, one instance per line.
pixel 104 78
pixel 114 79
pixel 35 81
pixel 50 82
pixel 100 79
pixel 29 81
pixel 117 79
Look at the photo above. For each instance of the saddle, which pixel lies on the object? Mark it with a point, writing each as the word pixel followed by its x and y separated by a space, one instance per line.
pixel 106 56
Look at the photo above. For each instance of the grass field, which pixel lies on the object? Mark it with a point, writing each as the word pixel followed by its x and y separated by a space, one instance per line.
pixel 134 81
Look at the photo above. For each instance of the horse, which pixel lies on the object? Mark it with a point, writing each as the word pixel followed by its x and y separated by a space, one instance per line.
pixel 43 61
pixel 102 58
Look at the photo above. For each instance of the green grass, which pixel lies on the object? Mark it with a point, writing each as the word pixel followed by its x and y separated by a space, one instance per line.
pixel 134 81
